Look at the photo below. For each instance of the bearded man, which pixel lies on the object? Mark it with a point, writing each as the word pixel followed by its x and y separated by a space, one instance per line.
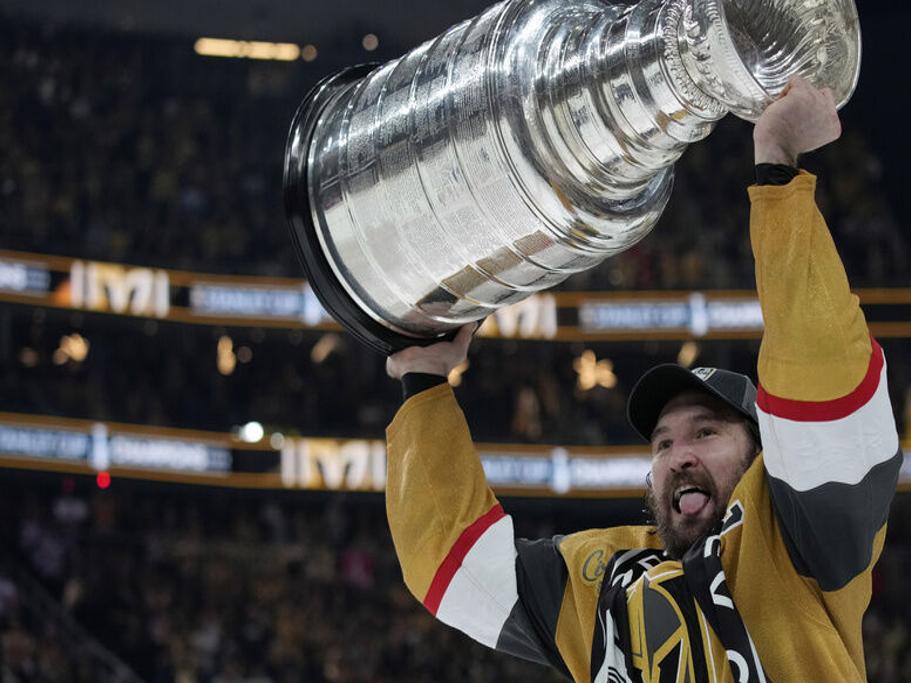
pixel 770 506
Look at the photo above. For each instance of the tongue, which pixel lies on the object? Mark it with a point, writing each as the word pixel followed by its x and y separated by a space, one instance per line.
pixel 692 503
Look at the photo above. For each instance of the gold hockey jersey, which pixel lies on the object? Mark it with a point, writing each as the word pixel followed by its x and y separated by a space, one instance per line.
pixel 776 594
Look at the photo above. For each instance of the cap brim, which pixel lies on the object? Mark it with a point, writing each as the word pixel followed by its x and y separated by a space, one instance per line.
pixel 656 388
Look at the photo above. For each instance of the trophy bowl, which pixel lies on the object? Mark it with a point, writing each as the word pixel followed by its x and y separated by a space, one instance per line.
pixel 764 43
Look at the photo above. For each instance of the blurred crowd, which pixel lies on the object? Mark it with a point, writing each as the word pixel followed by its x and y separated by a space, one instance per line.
pixel 140 151
pixel 137 150
pixel 231 589
pixel 249 588
pixel 167 374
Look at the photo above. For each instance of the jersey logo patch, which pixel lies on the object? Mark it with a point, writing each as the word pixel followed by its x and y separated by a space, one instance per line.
pixel 623 567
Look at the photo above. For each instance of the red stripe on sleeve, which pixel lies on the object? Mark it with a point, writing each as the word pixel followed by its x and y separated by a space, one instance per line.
pixel 825 411
pixel 457 553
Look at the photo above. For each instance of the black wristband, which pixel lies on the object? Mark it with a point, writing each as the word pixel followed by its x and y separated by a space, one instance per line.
pixel 415 382
pixel 775 174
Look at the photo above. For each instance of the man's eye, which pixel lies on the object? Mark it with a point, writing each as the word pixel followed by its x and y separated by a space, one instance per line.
pixel 663 445
pixel 705 431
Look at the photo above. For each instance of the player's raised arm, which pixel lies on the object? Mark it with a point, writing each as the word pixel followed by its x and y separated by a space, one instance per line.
pixel 454 542
pixel 830 444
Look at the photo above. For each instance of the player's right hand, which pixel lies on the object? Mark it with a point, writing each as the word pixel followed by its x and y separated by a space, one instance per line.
pixel 436 359
pixel 804 118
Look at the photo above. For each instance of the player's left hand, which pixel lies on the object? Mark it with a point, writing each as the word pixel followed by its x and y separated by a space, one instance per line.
pixel 436 359
pixel 804 118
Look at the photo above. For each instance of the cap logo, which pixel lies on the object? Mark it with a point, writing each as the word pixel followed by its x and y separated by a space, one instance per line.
pixel 704 373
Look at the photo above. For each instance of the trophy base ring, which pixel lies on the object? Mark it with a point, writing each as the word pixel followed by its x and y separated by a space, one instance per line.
pixel 320 275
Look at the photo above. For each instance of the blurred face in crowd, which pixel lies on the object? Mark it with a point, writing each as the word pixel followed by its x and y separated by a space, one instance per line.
pixel 700 449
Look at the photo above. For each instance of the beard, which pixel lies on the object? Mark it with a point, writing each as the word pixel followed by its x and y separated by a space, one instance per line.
pixel 679 536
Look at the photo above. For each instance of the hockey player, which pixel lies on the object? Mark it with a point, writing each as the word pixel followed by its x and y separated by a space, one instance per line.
pixel 770 506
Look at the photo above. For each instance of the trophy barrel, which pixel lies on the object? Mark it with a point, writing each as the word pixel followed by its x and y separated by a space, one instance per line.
pixel 526 144
pixel 329 289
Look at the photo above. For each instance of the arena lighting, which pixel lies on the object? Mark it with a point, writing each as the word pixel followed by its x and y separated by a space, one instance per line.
pixel 247 49
pixel 688 354
pixel 593 372
pixel 370 42
pixel 73 347
pixel 455 375
pixel 225 359
pixel 28 357
pixel 252 432
pixel 324 347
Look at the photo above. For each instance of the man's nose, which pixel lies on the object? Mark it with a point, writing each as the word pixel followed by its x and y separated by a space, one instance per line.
pixel 683 457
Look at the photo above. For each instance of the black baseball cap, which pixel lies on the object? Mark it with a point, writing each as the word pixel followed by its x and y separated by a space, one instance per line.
pixel 659 385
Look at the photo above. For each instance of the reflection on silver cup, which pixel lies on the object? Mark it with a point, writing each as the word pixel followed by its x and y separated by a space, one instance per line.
pixel 527 144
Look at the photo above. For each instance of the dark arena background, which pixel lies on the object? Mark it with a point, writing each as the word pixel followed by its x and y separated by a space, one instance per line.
pixel 191 450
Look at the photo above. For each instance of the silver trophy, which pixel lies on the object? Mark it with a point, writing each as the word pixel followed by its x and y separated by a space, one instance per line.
pixel 527 144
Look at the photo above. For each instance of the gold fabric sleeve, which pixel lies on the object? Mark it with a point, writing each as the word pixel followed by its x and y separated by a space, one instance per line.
pixel 435 483
pixel 816 346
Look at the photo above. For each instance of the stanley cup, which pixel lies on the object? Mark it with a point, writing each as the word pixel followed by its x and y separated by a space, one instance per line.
pixel 527 144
